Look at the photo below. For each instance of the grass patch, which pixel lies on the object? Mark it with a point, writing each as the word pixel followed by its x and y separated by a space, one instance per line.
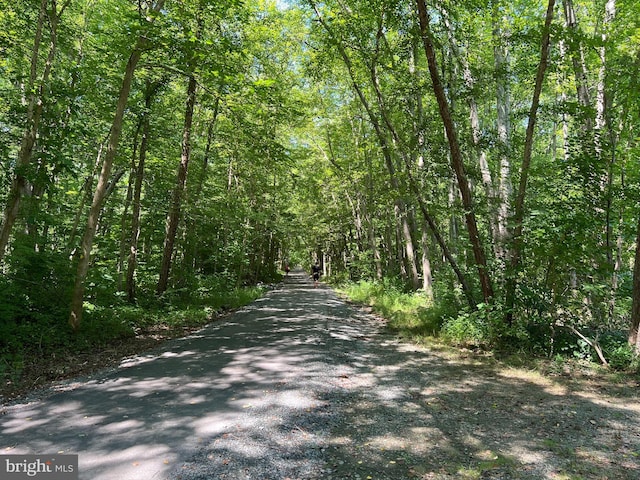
pixel 446 326
pixel 410 315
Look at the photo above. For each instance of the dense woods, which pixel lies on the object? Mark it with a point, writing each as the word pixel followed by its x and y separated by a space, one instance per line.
pixel 482 156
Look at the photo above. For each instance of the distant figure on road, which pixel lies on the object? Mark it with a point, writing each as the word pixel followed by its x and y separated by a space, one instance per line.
pixel 286 270
pixel 315 273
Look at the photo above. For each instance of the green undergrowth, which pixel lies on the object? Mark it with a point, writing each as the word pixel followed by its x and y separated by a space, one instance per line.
pixel 29 343
pixel 409 314
pixel 447 324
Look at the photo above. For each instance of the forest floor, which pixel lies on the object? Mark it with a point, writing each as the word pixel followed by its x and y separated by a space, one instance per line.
pixel 302 385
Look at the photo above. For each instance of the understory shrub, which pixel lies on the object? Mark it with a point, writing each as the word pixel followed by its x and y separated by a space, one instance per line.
pixel 484 327
pixel 408 313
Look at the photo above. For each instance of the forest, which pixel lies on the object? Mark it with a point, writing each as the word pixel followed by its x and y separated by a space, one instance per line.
pixel 161 162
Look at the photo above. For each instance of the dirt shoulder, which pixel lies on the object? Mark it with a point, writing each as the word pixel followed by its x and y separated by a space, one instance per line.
pixel 40 372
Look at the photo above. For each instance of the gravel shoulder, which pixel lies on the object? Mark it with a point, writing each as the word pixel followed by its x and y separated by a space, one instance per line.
pixel 300 385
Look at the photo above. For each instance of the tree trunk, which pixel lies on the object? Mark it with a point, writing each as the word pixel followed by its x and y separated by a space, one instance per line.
pixel 132 259
pixel 516 251
pixel 173 218
pixel 578 61
pixel 634 334
pixel 601 124
pixel 371 234
pixel 77 298
pixel 456 155
pixel 128 199
pixel 503 109
pixel 87 186
pixel 427 278
pixel 35 101
pixel 99 194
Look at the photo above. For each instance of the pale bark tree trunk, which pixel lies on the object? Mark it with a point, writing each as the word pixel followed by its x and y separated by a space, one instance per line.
pixel 373 245
pixel 427 277
pixel 36 92
pixel 98 197
pixel 87 186
pixel 389 245
pixel 503 123
pixel 578 61
pixel 601 101
pixel 357 220
pixel 418 131
pixel 456 155
pixel 75 317
pixel 602 107
pixel 371 233
pixel 128 199
pixel 563 100
pixel 454 227
pixel 516 251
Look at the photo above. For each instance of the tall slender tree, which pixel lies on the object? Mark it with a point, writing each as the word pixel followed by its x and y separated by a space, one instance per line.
pixel 518 219
pixel 142 43
pixel 457 162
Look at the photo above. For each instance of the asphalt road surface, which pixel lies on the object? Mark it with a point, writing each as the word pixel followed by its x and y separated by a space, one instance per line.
pixel 299 385
pixel 242 398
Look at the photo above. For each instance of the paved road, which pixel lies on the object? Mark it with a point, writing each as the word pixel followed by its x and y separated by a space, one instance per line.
pixel 259 368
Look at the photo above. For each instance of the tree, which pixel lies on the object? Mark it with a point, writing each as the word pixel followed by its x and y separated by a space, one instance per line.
pixel 141 45
pixel 36 91
pixel 173 216
pixel 516 251
pixel 457 161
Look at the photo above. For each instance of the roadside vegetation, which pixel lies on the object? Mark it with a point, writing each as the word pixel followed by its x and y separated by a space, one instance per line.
pixel 447 322
pixel 34 353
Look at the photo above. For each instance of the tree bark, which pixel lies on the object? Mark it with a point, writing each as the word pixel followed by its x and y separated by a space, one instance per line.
pixel 173 217
pixel 77 298
pixel 634 334
pixel 35 105
pixel 100 192
pixel 518 220
pixel 578 61
pixel 124 239
pixel 503 109
pixel 456 155
pixel 132 259
pixel 427 277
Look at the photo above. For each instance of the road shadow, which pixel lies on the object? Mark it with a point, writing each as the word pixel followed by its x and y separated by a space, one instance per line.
pixel 300 385
pixel 157 409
